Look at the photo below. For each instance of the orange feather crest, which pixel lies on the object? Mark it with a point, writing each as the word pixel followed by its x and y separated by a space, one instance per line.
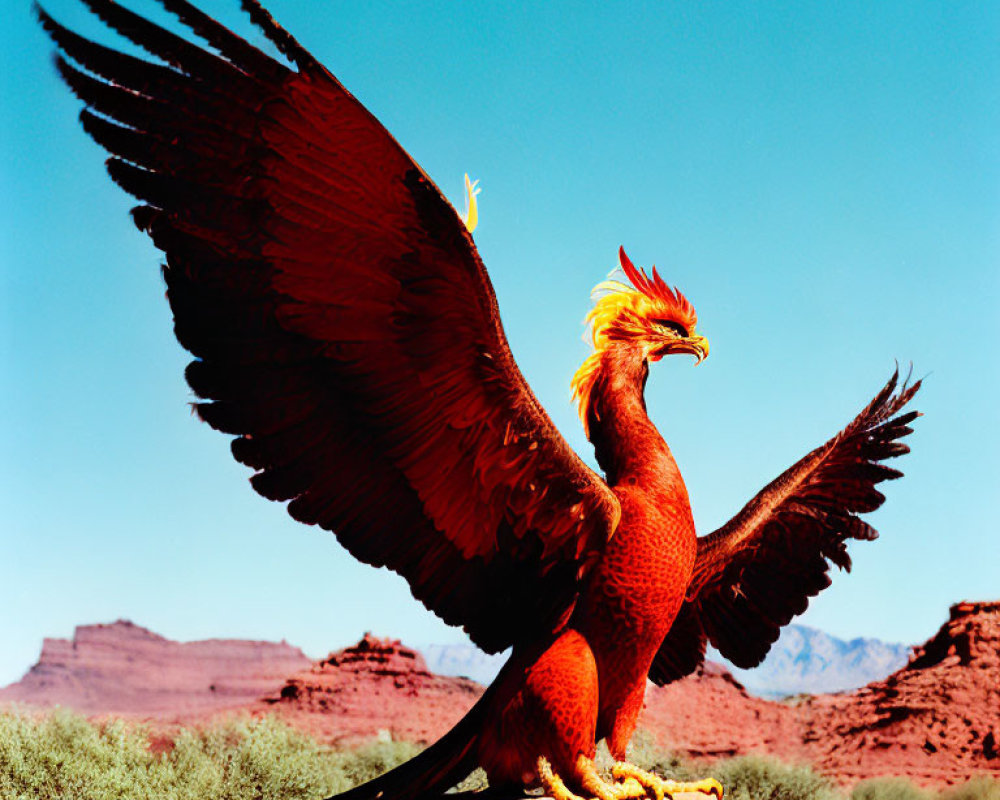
pixel 627 312
pixel 675 305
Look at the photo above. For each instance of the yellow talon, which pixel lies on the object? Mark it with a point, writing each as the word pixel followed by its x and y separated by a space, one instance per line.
pixel 623 771
pixel 551 782
pixel 704 786
pixel 664 789
pixel 586 775
pixel 471 218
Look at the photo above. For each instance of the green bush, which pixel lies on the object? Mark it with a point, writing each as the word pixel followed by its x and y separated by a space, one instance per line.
pixel 745 778
pixel 982 788
pixel 370 761
pixel 646 754
pixel 61 756
pixel 888 789
pixel 762 778
pixel 759 778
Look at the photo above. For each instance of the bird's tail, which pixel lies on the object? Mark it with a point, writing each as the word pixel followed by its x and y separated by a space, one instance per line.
pixel 436 769
pixel 455 754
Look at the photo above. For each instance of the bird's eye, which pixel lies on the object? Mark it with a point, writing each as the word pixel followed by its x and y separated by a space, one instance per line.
pixel 674 327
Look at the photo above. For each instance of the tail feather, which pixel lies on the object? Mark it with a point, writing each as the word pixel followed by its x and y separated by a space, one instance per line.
pixel 433 771
pixel 455 754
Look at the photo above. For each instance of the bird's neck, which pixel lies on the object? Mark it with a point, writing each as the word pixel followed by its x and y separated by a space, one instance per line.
pixel 629 448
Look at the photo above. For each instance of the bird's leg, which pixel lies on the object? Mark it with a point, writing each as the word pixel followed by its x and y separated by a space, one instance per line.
pixel 661 788
pixel 589 780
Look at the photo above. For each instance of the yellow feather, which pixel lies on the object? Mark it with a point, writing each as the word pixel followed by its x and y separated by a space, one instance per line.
pixel 612 300
pixel 471 218
pixel 629 313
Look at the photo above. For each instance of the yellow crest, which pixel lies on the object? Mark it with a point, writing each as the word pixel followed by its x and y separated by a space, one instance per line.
pixel 622 312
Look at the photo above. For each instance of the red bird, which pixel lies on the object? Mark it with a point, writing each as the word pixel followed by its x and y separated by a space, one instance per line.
pixel 346 333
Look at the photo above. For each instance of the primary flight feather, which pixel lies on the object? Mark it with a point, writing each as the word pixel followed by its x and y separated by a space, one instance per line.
pixel 346 333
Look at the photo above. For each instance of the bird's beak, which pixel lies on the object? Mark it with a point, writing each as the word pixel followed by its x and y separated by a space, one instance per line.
pixel 695 345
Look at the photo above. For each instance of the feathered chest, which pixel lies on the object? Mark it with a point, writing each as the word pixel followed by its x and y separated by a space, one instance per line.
pixel 640 581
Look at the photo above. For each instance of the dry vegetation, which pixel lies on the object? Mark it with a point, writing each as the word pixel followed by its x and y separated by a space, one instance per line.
pixel 62 756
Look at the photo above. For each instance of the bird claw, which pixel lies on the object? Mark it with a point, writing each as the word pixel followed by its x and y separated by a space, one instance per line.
pixel 630 783
pixel 663 789
pixel 593 784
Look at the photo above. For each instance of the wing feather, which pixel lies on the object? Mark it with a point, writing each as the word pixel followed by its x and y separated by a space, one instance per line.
pixel 343 326
pixel 757 572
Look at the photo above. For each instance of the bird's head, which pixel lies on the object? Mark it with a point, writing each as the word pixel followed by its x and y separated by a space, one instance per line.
pixel 647 316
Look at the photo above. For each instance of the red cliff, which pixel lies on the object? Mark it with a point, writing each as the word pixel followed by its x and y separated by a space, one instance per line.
pixel 935 721
pixel 122 668
pixel 378 687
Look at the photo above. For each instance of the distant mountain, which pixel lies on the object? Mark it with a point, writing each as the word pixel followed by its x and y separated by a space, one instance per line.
pixel 808 661
pixel 463 661
pixel 803 661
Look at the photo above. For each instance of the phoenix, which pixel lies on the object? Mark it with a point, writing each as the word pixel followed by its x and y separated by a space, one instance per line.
pixel 345 332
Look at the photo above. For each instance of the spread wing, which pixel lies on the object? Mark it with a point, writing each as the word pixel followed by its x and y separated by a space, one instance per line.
pixel 343 326
pixel 759 570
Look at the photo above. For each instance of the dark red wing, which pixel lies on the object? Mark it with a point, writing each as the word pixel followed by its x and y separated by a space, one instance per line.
pixel 344 328
pixel 758 571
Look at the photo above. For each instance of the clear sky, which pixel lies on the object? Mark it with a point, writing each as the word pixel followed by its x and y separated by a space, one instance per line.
pixel 821 179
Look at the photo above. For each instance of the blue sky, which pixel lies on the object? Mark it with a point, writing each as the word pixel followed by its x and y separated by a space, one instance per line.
pixel 821 180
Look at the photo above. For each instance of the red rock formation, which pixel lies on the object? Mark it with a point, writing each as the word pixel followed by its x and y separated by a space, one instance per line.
pixel 935 721
pixel 378 687
pixel 124 669
pixel 710 715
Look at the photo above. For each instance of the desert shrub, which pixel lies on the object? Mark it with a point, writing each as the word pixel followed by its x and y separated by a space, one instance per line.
pixel 371 760
pixel 982 788
pixel 645 753
pixel 745 778
pixel 888 789
pixel 61 756
pixel 253 759
pixel 759 778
